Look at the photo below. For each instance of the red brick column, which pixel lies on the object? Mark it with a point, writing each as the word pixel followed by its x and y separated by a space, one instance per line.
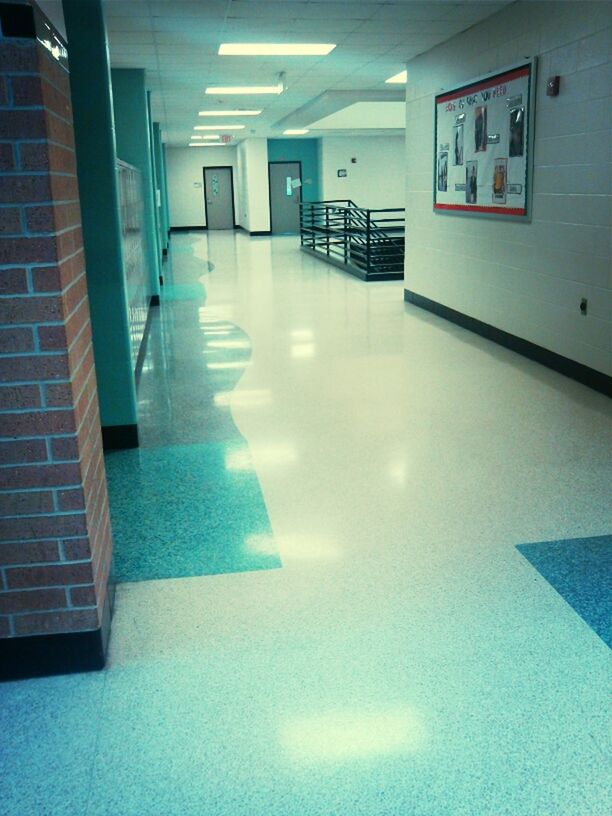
pixel 55 537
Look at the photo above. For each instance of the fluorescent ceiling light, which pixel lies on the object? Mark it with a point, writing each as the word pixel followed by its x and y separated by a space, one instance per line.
pixel 246 89
pixel 212 136
pixel 219 127
pixel 295 132
pixel 398 79
pixel 276 49
pixel 230 113
pixel 208 144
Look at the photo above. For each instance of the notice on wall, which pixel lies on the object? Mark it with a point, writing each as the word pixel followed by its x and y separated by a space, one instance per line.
pixel 482 145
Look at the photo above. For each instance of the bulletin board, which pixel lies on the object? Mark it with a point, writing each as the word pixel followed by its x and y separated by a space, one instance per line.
pixel 482 143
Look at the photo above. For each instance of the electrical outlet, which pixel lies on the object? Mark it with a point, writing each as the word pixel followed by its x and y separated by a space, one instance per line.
pixel 583 306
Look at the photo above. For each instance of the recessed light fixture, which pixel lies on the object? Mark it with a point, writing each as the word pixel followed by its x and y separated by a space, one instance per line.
pixel 219 127
pixel 398 79
pixel 208 144
pixel 222 90
pixel 230 113
pixel 295 132
pixel 276 49
pixel 212 136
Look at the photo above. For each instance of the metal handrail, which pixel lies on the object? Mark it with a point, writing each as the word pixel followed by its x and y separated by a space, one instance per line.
pixel 368 241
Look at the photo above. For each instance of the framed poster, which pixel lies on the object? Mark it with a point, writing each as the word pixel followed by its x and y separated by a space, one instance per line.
pixel 483 135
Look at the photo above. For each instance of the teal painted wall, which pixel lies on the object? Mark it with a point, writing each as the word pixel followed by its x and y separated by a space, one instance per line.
pixel 161 184
pixel 134 146
pixel 94 130
pixel 155 180
pixel 304 150
pixel 165 192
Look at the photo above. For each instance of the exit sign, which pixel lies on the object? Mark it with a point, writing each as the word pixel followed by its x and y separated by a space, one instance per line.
pixel 226 138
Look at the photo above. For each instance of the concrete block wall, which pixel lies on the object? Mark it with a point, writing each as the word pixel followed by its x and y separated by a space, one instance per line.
pixel 55 537
pixel 186 182
pixel 377 177
pixel 525 278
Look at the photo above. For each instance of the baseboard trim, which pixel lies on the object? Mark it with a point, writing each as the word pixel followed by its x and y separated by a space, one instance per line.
pixel 142 351
pixel 563 365
pixel 119 437
pixel 355 271
pixel 64 653
pixel 254 233
pixel 187 229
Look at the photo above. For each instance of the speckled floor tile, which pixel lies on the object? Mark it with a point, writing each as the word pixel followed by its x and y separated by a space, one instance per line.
pixel 580 569
pixel 192 483
pixel 48 733
pixel 407 660
pixel 197 515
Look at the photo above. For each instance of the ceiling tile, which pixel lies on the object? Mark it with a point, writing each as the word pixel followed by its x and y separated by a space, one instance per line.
pixel 176 41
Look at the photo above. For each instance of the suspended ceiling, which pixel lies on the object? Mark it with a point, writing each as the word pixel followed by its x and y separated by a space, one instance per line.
pixel 176 42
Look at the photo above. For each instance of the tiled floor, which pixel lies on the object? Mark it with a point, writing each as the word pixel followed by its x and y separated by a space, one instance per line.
pixel 406 659
pixel 580 569
pixel 192 483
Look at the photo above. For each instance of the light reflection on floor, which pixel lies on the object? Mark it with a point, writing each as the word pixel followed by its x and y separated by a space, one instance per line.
pixel 407 660
pixel 342 736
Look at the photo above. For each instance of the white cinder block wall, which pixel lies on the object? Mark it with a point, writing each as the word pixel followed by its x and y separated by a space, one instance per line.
pixel 186 181
pixel 377 178
pixel 253 185
pixel 525 278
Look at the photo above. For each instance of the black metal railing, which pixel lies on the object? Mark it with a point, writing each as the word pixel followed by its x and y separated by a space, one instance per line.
pixel 368 243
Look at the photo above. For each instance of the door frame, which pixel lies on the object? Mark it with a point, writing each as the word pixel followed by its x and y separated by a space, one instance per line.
pixel 219 167
pixel 284 161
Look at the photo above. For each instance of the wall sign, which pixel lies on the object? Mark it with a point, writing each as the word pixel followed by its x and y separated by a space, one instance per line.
pixel 482 145
pixel 342 174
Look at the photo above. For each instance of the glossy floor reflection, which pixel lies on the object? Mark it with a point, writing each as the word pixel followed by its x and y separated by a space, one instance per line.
pixel 407 660
pixel 199 513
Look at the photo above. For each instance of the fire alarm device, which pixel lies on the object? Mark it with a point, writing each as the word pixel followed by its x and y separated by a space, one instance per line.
pixel 552 86
pixel 353 161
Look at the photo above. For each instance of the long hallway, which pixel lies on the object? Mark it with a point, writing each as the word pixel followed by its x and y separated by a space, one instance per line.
pixel 321 606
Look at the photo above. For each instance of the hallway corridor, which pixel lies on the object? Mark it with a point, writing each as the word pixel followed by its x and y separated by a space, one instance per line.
pixel 321 609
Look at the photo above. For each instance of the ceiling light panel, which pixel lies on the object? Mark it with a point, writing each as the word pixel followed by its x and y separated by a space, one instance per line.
pixel 230 113
pixel 295 132
pixel 276 49
pixel 222 90
pixel 219 127
pixel 398 79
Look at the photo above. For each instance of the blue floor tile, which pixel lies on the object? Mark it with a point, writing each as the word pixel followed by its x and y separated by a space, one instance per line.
pixel 579 569
pixel 195 515
pixel 182 291
pixel 188 501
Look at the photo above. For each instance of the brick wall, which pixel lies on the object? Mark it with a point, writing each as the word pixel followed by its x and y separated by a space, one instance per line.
pixel 55 537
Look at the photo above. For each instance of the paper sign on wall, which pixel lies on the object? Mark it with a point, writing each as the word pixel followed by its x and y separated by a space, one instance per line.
pixel 482 144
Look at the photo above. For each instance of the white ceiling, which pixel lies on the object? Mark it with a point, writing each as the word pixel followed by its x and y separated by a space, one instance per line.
pixel 176 41
pixel 365 115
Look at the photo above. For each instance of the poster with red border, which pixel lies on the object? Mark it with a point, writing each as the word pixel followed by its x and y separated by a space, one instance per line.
pixel 482 145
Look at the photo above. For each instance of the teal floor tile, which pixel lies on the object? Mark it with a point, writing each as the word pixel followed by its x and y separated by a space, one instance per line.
pixel 580 569
pixel 195 516
pixel 178 507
